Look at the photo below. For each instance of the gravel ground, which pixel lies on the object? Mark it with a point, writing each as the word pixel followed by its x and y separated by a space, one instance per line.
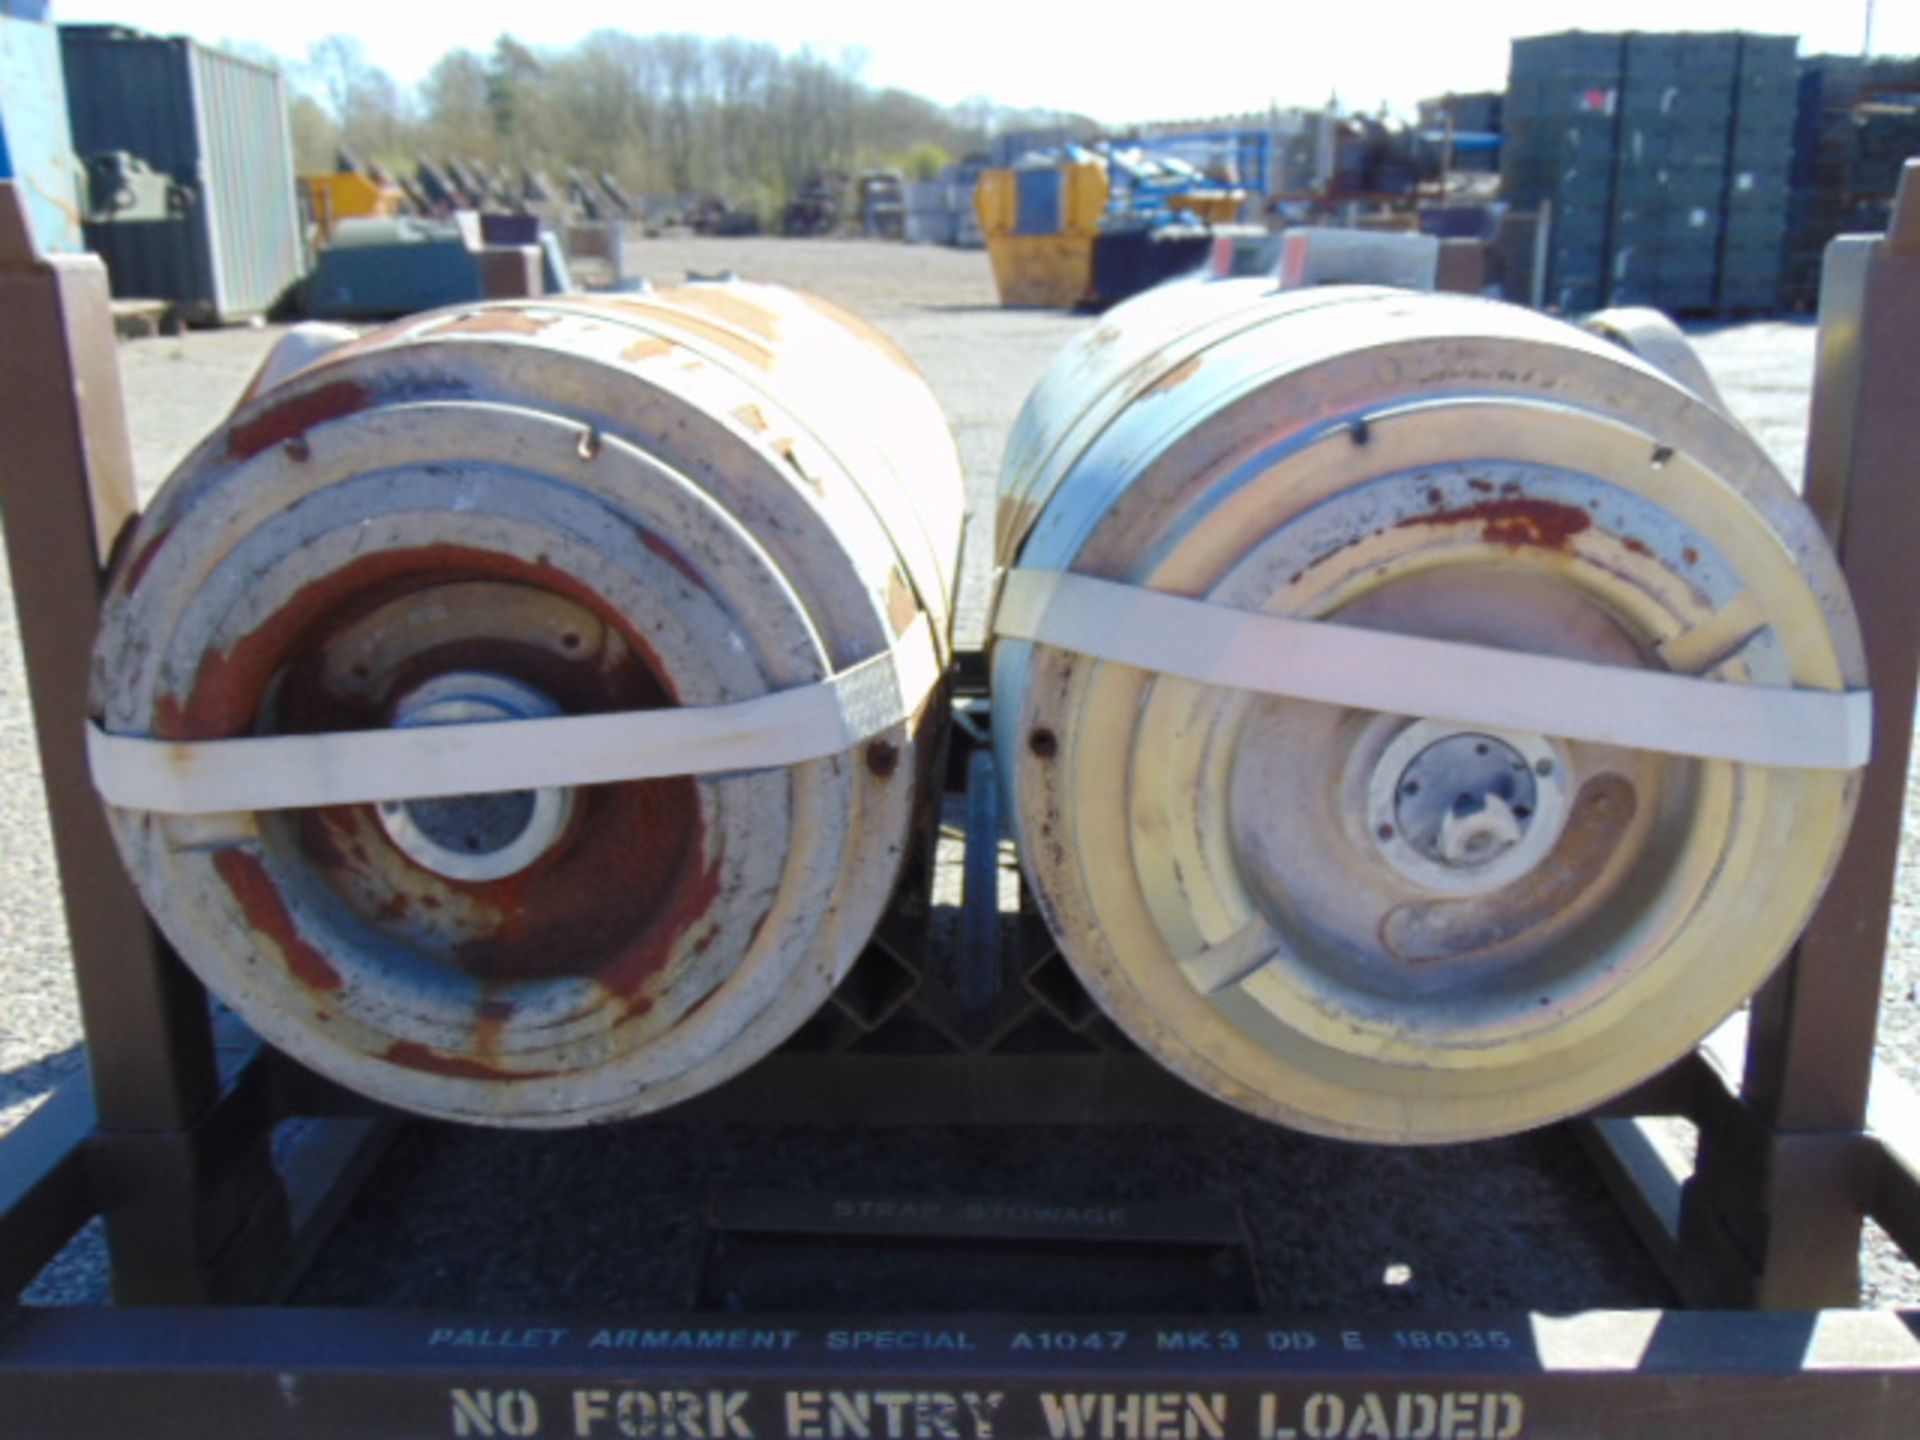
pixel 1515 1223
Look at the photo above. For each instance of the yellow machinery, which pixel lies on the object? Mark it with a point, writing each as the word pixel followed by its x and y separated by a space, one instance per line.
pixel 1040 224
pixel 1216 206
pixel 346 195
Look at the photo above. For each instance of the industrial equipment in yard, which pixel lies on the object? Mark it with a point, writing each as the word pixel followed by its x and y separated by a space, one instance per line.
pixel 349 192
pixel 724 504
pixel 378 269
pixel 1040 223
pixel 883 204
pixel 817 204
pixel 123 190
pixel 208 1224
pixel 1092 227
pixel 1421 719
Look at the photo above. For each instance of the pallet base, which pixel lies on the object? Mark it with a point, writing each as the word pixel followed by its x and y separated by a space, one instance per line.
pixel 263 1373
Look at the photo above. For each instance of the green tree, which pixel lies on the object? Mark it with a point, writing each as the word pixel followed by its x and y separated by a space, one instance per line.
pixel 925 161
pixel 513 76
pixel 455 103
pixel 316 138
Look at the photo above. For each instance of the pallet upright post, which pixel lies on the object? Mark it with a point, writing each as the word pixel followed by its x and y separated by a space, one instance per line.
pixel 1787 1205
pixel 180 1220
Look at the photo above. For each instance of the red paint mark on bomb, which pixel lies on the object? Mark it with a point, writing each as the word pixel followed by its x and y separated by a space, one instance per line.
pixel 296 415
pixel 672 556
pixel 266 911
pixel 227 685
pixel 458 1067
pixel 492 320
pixel 137 571
pixel 1175 377
pixel 1516 523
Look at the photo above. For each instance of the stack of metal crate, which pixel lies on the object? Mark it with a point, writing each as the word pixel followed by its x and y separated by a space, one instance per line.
pixel 1759 158
pixel 1559 147
pixel 1858 121
pixel 1665 161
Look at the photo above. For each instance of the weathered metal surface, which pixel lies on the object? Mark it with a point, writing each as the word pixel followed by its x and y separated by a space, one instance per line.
pixel 688 498
pixel 1247 883
pixel 1511 1376
pixel 217 124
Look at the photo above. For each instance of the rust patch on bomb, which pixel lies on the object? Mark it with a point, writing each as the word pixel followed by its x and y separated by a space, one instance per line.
pixel 579 920
pixel 137 571
pixel 1324 556
pixel 266 913
pixel 902 607
pixel 415 1056
pixel 295 416
pixel 699 327
pixel 504 320
pixel 606 903
pixel 228 684
pixel 789 452
pixel 1515 522
pixel 672 556
pixel 1175 377
pixel 650 348
pixel 726 305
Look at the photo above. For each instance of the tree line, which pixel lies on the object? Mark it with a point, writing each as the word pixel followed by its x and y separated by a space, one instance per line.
pixel 666 115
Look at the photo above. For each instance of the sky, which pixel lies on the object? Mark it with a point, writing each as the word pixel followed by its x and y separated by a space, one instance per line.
pixel 1083 58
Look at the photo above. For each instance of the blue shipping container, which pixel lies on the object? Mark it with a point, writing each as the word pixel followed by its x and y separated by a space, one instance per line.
pixel 36 150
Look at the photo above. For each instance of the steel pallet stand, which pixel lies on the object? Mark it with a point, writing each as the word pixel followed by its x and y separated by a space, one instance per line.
pixel 168 1137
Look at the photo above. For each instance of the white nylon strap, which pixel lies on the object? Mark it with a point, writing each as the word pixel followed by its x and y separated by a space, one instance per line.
pixel 283 772
pixel 1437 679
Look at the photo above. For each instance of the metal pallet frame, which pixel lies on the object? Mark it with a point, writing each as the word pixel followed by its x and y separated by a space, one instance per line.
pixel 168 1136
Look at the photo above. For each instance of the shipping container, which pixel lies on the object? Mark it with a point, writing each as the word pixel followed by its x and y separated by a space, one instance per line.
pixel 217 125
